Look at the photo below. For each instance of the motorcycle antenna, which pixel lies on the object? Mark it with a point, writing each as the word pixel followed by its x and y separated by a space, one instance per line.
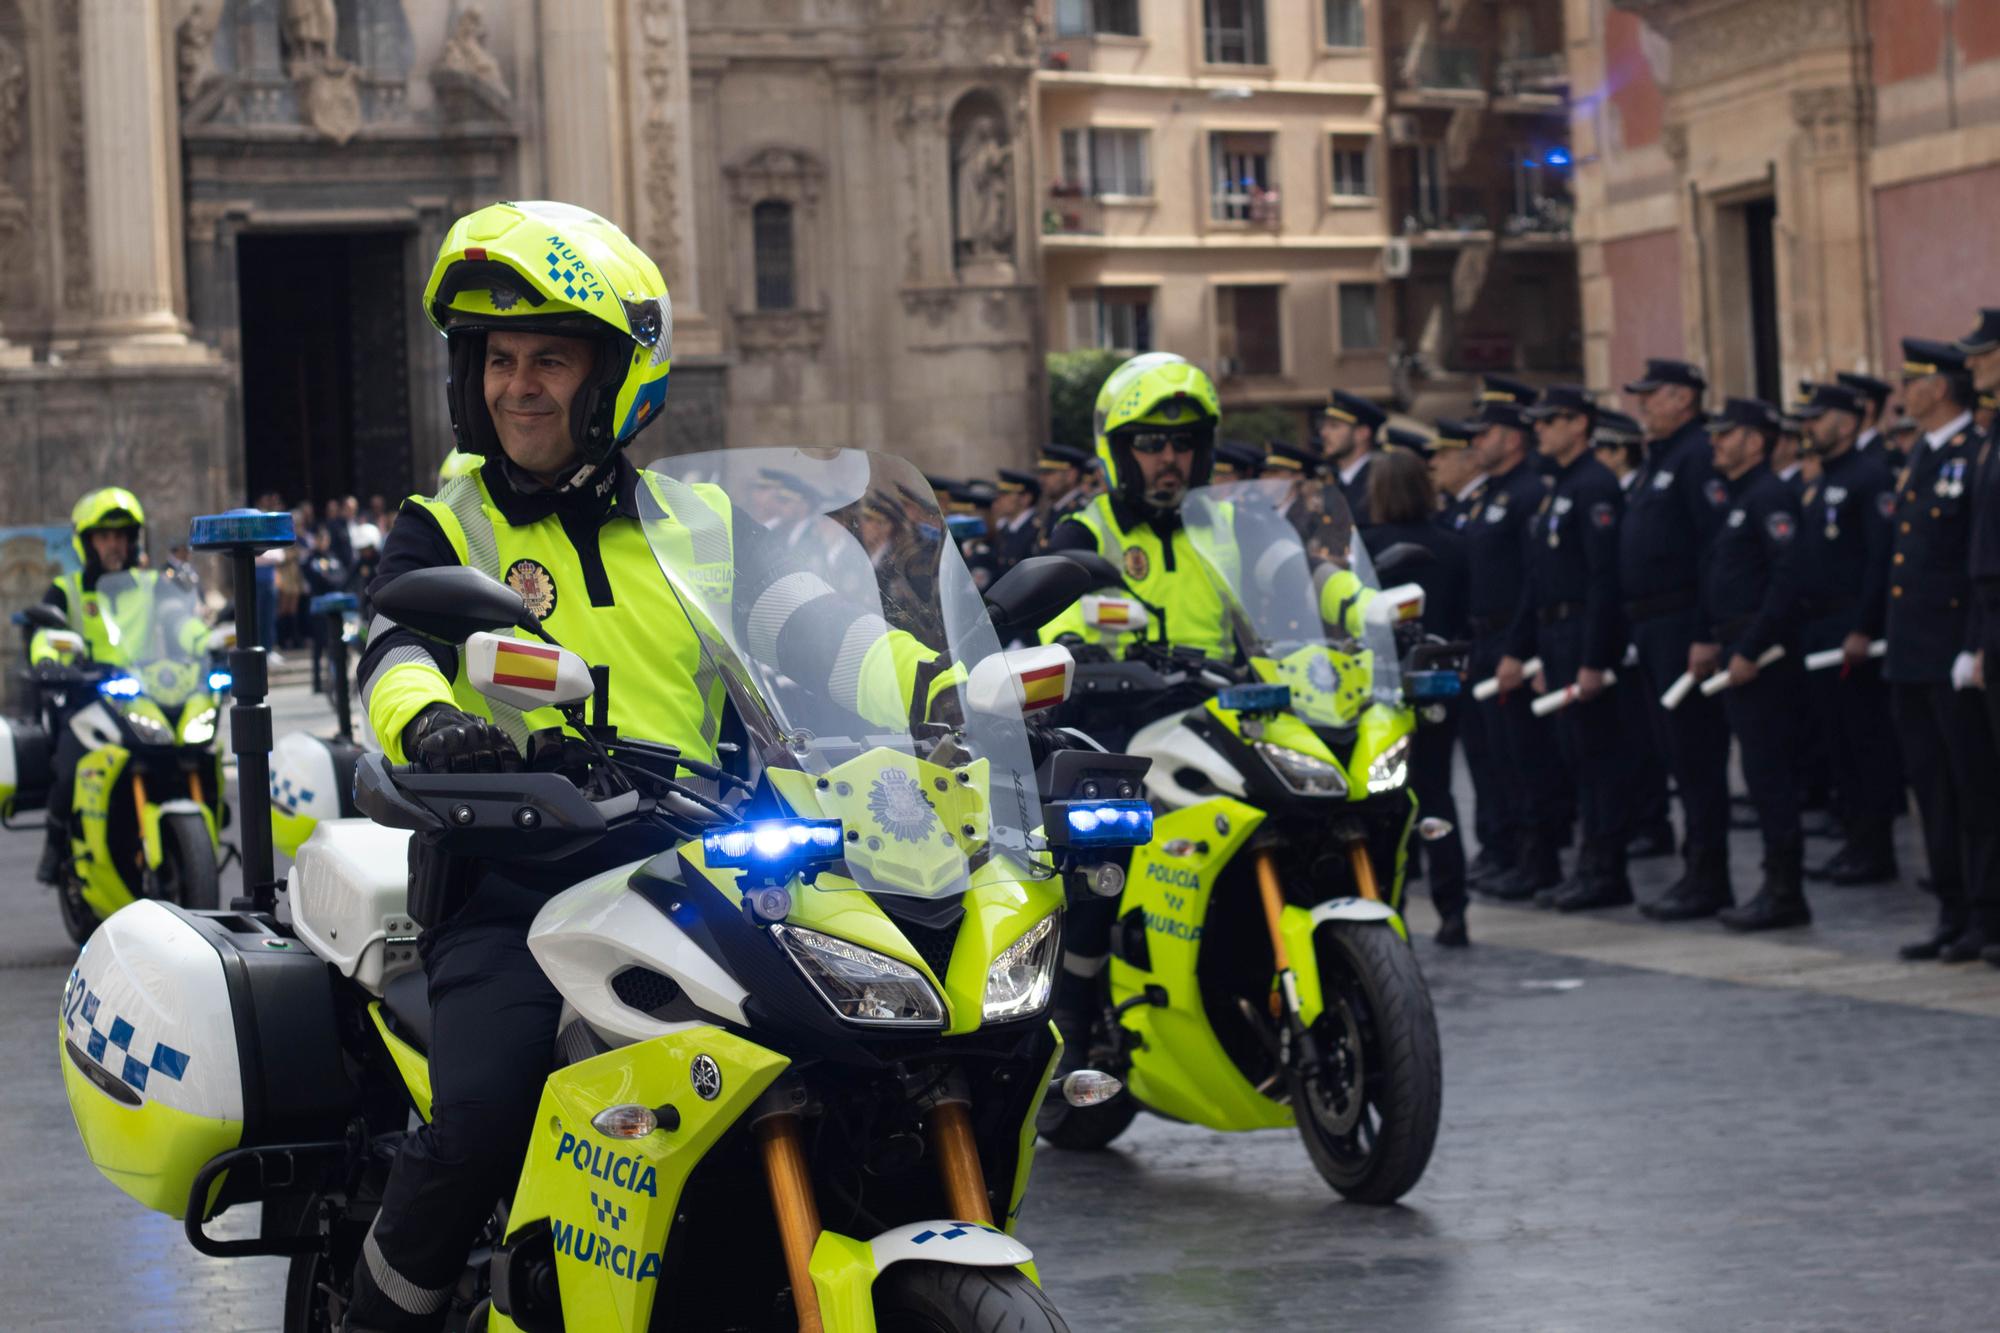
pixel 241 534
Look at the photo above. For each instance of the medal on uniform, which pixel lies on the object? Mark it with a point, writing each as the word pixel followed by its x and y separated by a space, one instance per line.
pixel 1832 531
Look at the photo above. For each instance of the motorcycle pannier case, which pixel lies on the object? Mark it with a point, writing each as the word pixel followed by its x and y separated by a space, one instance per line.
pixel 25 756
pixel 188 1034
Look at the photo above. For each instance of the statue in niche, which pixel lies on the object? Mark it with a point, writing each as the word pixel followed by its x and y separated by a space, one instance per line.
pixel 468 78
pixel 329 88
pixel 194 50
pixel 310 27
pixel 983 190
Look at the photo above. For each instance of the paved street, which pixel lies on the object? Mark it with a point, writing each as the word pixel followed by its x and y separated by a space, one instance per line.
pixel 1645 1128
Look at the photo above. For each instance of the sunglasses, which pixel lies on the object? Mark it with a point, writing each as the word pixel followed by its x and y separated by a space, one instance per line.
pixel 1152 443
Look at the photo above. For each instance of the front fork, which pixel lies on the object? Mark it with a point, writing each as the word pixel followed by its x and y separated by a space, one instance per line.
pixel 781 1145
pixel 1285 1001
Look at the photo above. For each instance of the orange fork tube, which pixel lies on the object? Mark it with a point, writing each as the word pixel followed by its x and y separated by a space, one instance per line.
pixel 1274 906
pixel 782 1147
pixel 957 1152
pixel 1364 871
pixel 139 803
pixel 194 787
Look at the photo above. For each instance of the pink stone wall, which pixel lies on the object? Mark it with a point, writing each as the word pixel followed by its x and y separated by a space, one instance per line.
pixel 1935 239
pixel 1645 276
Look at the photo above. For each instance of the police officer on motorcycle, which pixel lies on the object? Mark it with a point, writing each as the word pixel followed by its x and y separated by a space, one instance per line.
pixel 551 377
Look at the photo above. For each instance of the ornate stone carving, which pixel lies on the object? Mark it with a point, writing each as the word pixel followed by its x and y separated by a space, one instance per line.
pixel 934 305
pixel 1674 142
pixel 790 174
pixel 916 118
pixel 664 233
pixel 763 334
pixel 1834 119
pixel 310 27
pixel 194 50
pixel 982 159
pixel 468 80
pixel 13 128
pixel 76 271
pixel 329 88
pixel 1712 39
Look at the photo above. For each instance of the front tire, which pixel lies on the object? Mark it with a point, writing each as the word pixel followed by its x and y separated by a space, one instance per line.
pixel 77 918
pixel 189 874
pixel 1369 1118
pixel 949 1298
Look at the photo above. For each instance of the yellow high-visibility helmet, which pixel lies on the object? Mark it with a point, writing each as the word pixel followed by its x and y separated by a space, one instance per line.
pixel 106 507
pixel 1155 391
pixel 554 268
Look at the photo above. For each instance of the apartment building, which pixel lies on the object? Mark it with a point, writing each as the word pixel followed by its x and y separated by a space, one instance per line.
pixel 1212 182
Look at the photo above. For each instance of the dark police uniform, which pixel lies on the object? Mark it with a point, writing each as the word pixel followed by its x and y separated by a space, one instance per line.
pixel 1645 770
pixel 1674 509
pixel 1345 406
pixel 1948 750
pixel 1569 616
pixel 1752 591
pixel 1844 553
pixel 1014 540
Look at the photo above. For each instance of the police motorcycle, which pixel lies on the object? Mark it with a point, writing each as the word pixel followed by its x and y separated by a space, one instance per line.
pixel 803 1045
pixel 1260 973
pixel 147 811
pixel 312 776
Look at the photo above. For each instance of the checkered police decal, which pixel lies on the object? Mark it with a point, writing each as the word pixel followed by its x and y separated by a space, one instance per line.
pixel 954 1231
pixel 114 1043
pixel 289 795
pixel 609 1212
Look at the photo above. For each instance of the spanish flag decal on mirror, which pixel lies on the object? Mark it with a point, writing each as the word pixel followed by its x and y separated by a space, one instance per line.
pixel 1042 687
pixel 529 666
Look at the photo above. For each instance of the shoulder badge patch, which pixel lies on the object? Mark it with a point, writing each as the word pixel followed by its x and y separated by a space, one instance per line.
pixel 1137 566
pixel 1603 514
pixel 1779 525
pixel 1717 493
pixel 531 578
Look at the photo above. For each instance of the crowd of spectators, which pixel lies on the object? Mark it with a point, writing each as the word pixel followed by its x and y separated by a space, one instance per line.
pixel 337 546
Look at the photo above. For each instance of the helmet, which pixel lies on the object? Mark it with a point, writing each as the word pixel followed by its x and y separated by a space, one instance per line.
pixel 106 507
pixel 553 268
pixel 1156 390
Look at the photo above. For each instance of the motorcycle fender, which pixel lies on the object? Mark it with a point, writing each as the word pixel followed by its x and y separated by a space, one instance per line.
pixel 610 1202
pixel 844 1269
pixel 151 817
pixel 98 774
pixel 1299 925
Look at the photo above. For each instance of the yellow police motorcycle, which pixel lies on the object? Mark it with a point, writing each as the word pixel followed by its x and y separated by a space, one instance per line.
pixel 147 806
pixel 1260 974
pixel 804 1038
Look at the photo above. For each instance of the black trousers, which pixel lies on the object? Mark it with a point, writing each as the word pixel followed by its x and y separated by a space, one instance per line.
pixel 69 752
pixel 1430 778
pixel 1851 711
pixel 1765 717
pixel 493 1031
pixel 1954 769
pixel 1646 770
pixel 1592 744
pixel 1694 738
pixel 1536 773
pixel 1496 814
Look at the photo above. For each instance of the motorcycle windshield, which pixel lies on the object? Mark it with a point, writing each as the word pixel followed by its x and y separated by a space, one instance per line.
pixel 152 626
pixel 842 622
pixel 1300 601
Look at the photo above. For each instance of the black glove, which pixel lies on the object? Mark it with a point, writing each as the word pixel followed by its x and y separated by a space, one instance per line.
pixel 444 739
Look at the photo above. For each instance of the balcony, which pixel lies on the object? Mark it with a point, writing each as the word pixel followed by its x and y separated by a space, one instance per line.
pixel 1257 208
pixel 1069 55
pixel 1448 74
pixel 1518 76
pixel 1463 215
pixel 1070 212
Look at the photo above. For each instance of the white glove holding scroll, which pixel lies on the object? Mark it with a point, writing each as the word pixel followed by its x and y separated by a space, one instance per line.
pixel 1488 688
pixel 1557 700
pixel 1719 682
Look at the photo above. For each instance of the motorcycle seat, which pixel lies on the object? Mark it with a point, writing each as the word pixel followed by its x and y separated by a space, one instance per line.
pixel 349 895
pixel 407 997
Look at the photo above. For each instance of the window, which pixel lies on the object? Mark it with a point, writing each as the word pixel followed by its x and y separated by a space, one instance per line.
pixel 1425 166
pixel 1242 188
pixel 1359 331
pixel 1117 319
pixel 1248 322
pixel 1107 162
pixel 1353 167
pixel 1232 32
pixel 771 243
pixel 1345 24
pixel 1087 18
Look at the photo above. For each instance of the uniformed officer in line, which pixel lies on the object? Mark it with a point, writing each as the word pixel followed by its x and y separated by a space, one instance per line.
pixel 1752 584
pixel 1677 504
pixel 1844 541
pixel 1347 434
pixel 1788 452
pixel 1983 564
pixel 1536 814
pixel 1618 442
pixel 1455 471
pixel 971 520
pixel 1948 749
pixel 1060 467
pixel 1237 461
pixel 1570 618
pixel 1898 438
pixel 1875 395
pixel 1014 513
pixel 1982 360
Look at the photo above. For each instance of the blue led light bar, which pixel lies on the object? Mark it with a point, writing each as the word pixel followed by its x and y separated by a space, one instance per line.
pixel 120 687
pixel 1106 824
pixel 328 602
pixel 1433 685
pixel 256 528
pixel 770 844
pixel 220 681
pixel 966 526
pixel 1255 698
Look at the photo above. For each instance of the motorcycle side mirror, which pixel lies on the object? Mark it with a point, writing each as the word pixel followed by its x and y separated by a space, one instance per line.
pixel 452 603
pixel 525 675
pixel 1401 558
pixel 1029 679
pixel 1036 591
pixel 41 616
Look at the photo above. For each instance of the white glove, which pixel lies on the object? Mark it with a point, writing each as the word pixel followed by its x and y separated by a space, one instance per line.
pixel 1962 668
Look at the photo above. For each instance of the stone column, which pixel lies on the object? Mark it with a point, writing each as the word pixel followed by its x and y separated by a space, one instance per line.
pixel 583 153
pixel 132 214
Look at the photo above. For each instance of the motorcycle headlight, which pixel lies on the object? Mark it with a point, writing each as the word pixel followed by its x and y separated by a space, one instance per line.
pixel 1024 975
pixel 1391 768
pixel 149 728
pixel 862 986
pixel 1302 773
pixel 200 729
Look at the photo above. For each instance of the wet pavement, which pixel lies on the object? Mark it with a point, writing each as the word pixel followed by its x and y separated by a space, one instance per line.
pixel 1644 1128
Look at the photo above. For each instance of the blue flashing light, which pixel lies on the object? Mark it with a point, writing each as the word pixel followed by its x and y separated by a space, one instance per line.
pixel 1558 157
pixel 328 602
pixel 1433 685
pixel 1109 823
pixel 220 681
pixel 254 528
pixel 120 687
pixel 771 844
pixel 1255 698
pixel 964 527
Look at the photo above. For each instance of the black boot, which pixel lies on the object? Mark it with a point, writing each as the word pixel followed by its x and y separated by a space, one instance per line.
pixel 1870 857
pixel 1781 903
pixel 1451 932
pixel 55 853
pixel 1949 928
pixel 1702 891
pixel 1653 841
pixel 1603 883
pixel 1488 867
pixel 1571 883
pixel 1538 869
pixel 1969 945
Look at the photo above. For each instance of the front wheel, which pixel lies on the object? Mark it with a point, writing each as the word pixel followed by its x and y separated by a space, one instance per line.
pixel 948 1298
pixel 1369 1113
pixel 189 874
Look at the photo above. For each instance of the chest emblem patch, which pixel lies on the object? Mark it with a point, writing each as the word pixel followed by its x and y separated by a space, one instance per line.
pixel 1663 480
pixel 1779 526
pixel 1137 566
pixel 1886 504
pixel 1717 493
pixel 1736 518
pixel 900 807
pixel 1496 513
pixel 531 578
